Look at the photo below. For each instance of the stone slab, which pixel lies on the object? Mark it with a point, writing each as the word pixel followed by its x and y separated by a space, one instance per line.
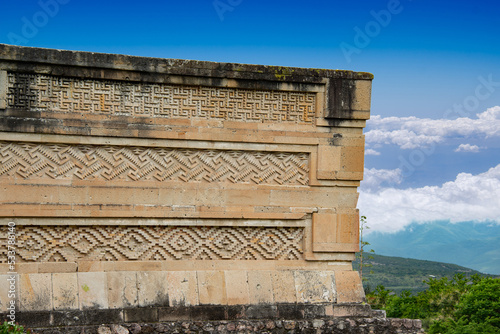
pixel 122 289
pixel 260 287
pixel 315 286
pixel 283 282
pixel 65 291
pixel 349 287
pixel 212 287
pixel 152 288
pixel 182 287
pixel 237 287
pixel 35 292
pixel 93 290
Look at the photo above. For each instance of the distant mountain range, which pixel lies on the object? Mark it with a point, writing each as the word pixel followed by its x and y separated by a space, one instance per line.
pixel 398 274
pixel 468 244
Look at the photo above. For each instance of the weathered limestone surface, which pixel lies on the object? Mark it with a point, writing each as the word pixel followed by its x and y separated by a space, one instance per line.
pixel 144 182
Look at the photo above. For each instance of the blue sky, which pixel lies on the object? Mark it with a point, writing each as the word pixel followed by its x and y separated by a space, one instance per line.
pixel 433 143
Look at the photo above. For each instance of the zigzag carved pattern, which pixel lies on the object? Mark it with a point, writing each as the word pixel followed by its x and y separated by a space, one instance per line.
pixel 148 243
pixel 61 161
pixel 67 95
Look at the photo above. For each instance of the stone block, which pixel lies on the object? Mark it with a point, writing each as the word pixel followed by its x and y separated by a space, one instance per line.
pixel 236 312
pixel 152 288
pixel 335 232
pixel 283 282
pixel 352 310
pixel 212 287
pixel 174 313
pixel 207 312
pixel 65 291
pixel 68 318
pixel 244 197
pixel 314 311
pixel 35 292
pixel 237 287
pixel 34 318
pixel 291 311
pixel 4 268
pixel 352 159
pixel 324 229
pixel 328 162
pixel 182 287
pixel 261 311
pixel 260 287
pixel 3 89
pixel 57 267
pixel 122 289
pixel 348 232
pixel 362 95
pixel 349 287
pixel 177 196
pixel 315 286
pixel 141 314
pixel 105 316
pixel 93 290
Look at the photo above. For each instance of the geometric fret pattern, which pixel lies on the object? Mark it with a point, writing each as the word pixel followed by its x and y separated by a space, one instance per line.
pixel 106 162
pixel 47 93
pixel 148 243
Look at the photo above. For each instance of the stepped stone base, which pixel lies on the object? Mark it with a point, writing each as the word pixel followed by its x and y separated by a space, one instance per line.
pixel 277 318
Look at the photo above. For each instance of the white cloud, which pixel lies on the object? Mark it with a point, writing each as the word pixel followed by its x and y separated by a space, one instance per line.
pixel 468 197
pixel 373 178
pixel 467 148
pixel 413 132
pixel 370 151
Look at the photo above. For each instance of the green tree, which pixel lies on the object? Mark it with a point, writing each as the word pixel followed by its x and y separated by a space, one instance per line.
pixel 448 306
pixel 478 310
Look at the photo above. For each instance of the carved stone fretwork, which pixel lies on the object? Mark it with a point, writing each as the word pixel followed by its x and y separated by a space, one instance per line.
pixel 72 95
pixel 147 243
pixel 90 162
pixel 140 186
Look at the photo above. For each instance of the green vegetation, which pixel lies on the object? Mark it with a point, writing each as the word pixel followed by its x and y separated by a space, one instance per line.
pixel 7 328
pixel 448 306
pixel 361 256
pixel 398 274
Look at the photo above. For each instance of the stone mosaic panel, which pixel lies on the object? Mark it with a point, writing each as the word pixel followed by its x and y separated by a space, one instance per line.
pixel 73 95
pixel 89 162
pixel 147 243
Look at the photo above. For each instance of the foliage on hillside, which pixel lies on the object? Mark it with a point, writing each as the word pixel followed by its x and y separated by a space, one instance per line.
pixel 448 306
pixel 399 274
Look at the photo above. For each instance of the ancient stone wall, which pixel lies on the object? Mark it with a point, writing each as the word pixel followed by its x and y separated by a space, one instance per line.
pixel 143 182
